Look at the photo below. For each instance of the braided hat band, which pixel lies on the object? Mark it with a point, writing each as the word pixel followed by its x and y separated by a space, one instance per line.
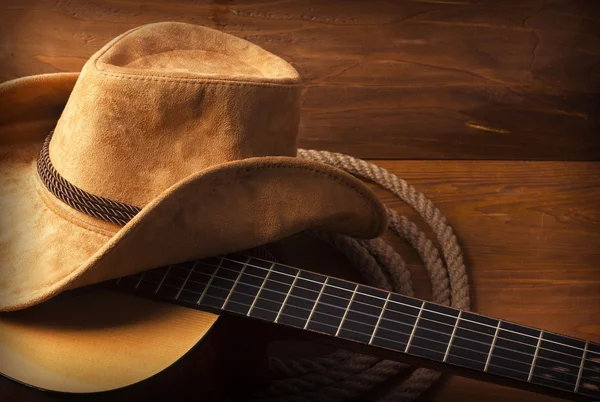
pixel 90 204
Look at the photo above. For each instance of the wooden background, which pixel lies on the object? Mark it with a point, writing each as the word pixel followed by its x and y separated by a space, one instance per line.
pixel 491 108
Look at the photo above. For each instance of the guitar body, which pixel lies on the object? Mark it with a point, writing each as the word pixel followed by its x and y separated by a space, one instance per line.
pixel 97 344
pixel 93 340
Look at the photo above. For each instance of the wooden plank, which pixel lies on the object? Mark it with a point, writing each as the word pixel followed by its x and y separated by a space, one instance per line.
pixel 530 233
pixel 411 79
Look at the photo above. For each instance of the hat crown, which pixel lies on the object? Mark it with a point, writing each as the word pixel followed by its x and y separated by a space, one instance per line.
pixel 164 101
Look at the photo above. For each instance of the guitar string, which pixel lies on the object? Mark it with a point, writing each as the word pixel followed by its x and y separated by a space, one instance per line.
pixel 393 321
pixel 366 335
pixel 370 315
pixel 387 319
pixel 408 305
pixel 436 312
pixel 441 323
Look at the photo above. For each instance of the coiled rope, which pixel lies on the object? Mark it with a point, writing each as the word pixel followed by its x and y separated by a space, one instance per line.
pixel 342 375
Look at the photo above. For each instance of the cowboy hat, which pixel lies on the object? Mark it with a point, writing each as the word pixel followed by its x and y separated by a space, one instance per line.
pixel 176 142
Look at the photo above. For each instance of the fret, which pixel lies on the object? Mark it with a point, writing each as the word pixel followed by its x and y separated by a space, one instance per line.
pixel 163 279
pixel 397 323
pixel 287 296
pixel 452 336
pixel 585 348
pixel 137 285
pixel 237 280
pixel 187 278
pixel 362 314
pixel 302 299
pixel 262 284
pixel 535 356
pixel 513 352
pixel 590 376
pixel 331 306
pixel 414 329
pixel 210 280
pixel 433 330
pixel 172 280
pixel 273 293
pixel 346 312
pixel 312 311
pixel 129 282
pixel 387 300
pixel 196 280
pixel 558 361
pixel 221 283
pixel 473 341
pixel 145 282
pixel 489 356
pixel 243 294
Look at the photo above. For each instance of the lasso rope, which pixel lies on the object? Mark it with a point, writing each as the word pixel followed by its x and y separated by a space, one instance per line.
pixel 343 376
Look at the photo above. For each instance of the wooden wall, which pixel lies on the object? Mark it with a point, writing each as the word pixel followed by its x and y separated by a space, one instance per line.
pixel 415 79
pixel 490 107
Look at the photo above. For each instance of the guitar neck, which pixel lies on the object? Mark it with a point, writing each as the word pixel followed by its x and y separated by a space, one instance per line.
pixel 380 322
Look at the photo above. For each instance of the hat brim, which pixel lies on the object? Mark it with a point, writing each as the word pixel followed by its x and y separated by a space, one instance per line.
pixel 47 247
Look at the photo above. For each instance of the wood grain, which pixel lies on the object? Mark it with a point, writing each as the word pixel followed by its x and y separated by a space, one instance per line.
pixel 531 240
pixel 202 368
pixel 530 233
pixel 411 79
pixel 50 346
pixel 417 79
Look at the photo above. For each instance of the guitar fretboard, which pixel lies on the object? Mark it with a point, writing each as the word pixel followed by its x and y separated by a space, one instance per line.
pixel 281 294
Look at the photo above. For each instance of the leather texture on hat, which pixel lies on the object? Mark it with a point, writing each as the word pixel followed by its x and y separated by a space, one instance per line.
pixel 196 127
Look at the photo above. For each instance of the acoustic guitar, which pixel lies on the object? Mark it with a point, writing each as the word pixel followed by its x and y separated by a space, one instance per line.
pixel 194 297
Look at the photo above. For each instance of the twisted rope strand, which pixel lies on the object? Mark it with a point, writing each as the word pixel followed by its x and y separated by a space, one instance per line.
pixel 416 200
pixel 98 207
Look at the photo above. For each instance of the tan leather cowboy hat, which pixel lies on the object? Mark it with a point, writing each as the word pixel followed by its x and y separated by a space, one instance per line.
pixel 177 142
